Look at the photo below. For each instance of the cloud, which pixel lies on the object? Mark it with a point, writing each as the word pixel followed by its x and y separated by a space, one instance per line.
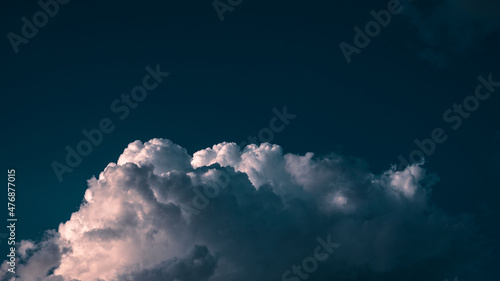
pixel 198 265
pixel 133 224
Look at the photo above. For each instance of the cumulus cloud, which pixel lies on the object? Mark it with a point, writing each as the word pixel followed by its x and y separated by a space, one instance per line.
pixel 136 221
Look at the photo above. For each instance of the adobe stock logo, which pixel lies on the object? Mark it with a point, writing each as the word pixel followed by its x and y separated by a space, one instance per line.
pixel 362 38
pixel 50 8
pixel 201 200
pixel 454 117
pixel 221 7
pixel 222 177
pixel 122 106
pixel 310 264
pixel 267 134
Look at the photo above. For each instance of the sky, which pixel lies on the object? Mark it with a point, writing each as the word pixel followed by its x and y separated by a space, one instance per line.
pixel 228 140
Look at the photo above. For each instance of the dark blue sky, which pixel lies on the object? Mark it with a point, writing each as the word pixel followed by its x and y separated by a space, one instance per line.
pixel 226 78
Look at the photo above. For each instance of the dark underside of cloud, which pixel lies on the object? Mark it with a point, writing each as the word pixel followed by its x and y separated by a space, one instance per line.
pixel 254 213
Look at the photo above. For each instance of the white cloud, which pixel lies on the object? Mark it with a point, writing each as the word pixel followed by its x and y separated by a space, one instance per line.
pixel 132 226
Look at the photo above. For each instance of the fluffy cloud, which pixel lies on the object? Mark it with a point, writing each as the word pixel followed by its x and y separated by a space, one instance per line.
pixel 137 223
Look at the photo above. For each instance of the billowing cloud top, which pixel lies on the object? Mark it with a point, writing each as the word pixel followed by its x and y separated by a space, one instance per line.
pixel 228 213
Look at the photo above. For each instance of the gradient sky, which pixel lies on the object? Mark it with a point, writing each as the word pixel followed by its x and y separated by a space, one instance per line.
pixel 226 77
